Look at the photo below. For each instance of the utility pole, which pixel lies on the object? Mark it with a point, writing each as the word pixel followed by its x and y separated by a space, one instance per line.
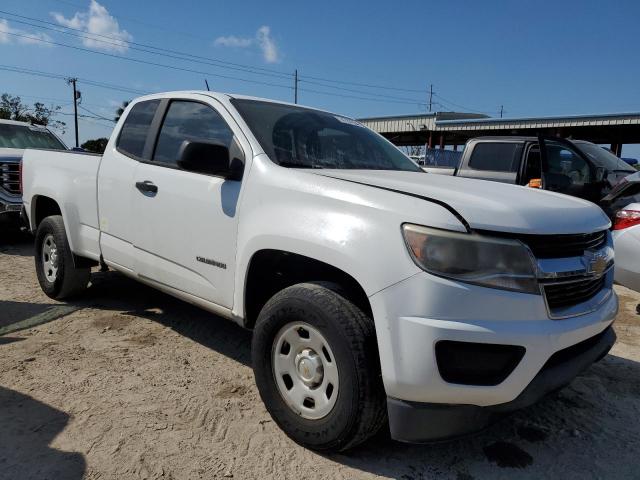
pixel 76 96
pixel 430 96
pixel 501 110
pixel 295 87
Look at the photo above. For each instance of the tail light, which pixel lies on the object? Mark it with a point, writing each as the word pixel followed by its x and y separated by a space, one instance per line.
pixel 535 183
pixel 626 218
pixel 20 176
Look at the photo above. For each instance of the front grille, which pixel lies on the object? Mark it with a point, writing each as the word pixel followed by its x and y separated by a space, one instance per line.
pixel 10 178
pixel 561 246
pixel 560 295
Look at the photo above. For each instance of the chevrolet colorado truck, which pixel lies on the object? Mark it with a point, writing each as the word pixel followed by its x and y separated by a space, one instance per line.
pixel 15 137
pixel 377 293
pixel 573 167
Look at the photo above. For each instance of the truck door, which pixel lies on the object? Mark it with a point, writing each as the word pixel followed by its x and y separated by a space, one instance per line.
pixel 115 181
pixel 185 237
pixel 566 170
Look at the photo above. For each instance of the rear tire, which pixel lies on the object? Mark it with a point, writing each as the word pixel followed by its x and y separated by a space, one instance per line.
pixel 57 274
pixel 308 317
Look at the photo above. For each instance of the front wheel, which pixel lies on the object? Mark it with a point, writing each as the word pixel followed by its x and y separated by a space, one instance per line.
pixel 316 364
pixel 57 274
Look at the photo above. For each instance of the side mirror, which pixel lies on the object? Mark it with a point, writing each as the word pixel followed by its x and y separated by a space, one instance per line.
pixel 212 159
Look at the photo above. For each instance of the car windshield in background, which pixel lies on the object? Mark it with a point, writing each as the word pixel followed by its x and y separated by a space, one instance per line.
pixel 303 138
pixel 21 136
pixel 604 158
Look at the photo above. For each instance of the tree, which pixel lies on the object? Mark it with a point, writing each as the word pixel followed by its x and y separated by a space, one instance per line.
pixel 12 108
pixel 96 146
pixel 121 110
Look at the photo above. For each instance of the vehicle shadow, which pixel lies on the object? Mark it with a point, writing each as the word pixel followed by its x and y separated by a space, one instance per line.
pixel 13 312
pixel 28 427
pixel 114 291
pixel 560 437
pixel 13 241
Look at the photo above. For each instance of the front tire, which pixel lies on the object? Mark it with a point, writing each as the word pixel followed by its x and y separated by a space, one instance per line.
pixel 57 274
pixel 316 365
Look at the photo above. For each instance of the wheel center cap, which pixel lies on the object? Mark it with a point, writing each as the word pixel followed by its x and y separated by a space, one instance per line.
pixel 309 367
pixel 53 255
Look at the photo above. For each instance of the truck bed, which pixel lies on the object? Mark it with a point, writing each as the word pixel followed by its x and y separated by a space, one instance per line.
pixel 73 177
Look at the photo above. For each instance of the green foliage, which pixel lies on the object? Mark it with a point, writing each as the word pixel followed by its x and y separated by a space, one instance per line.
pixel 121 110
pixel 96 145
pixel 12 108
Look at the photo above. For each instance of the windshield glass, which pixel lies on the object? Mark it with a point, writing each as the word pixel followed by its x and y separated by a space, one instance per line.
pixel 303 138
pixel 21 136
pixel 604 158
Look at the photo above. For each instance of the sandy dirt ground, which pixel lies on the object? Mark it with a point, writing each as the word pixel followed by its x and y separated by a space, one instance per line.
pixel 127 382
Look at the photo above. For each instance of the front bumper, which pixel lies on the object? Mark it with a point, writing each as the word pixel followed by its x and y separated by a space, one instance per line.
pixel 414 315
pixel 424 422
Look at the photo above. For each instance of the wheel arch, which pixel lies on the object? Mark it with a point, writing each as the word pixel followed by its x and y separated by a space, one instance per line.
pixel 272 270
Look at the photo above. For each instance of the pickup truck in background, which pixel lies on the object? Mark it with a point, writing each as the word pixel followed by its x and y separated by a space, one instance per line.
pixel 15 137
pixel 573 167
pixel 376 293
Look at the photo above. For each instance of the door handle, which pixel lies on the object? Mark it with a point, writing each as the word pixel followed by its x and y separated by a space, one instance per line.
pixel 147 188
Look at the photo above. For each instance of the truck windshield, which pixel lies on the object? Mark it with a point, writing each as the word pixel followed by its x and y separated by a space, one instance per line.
pixel 22 136
pixel 603 158
pixel 299 137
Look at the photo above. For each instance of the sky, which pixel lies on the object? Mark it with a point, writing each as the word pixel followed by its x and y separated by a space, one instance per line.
pixel 534 58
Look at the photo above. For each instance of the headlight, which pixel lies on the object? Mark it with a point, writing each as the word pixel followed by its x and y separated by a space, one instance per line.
pixel 487 261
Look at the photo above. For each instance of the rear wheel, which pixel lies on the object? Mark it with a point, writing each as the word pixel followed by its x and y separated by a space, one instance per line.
pixel 57 274
pixel 316 365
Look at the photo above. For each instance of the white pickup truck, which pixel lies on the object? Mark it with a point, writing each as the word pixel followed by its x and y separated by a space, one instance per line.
pixel 376 292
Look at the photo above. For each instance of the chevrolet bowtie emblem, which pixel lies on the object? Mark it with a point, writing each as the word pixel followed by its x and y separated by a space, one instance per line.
pixel 596 263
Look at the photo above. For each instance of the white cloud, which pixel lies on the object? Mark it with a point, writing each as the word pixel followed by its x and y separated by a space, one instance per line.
pixel 262 40
pixel 8 34
pixel 267 45
pixel 232 41
pixel 98 24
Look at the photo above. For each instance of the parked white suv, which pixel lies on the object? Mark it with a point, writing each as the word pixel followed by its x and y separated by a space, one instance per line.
pixel 375 291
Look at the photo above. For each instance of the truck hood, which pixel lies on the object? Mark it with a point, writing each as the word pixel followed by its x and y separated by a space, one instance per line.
pixel 487 205
pixel 11 154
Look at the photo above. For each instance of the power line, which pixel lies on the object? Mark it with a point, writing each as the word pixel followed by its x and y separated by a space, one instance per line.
pixel 404 99
pixel 39 73
pixel 96 114
pixel 160 51
pixel 184 56
pixel 144 62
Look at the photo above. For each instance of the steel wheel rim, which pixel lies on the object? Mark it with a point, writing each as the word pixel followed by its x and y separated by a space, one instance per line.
pixel 305 370
pixel 50 258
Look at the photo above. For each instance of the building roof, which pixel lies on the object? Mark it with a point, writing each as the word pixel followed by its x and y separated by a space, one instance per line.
pixel 456 127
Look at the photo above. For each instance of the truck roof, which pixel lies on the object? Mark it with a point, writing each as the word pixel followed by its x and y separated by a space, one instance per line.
pixel 226 96
pixel 516 138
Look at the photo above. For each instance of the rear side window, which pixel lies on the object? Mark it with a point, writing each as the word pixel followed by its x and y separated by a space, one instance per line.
pixel 187 120
pixel 496 157
pixel 136 127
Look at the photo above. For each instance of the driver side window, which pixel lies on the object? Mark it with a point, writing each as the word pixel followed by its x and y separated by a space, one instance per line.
pixel 563 161
pixel 189 120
